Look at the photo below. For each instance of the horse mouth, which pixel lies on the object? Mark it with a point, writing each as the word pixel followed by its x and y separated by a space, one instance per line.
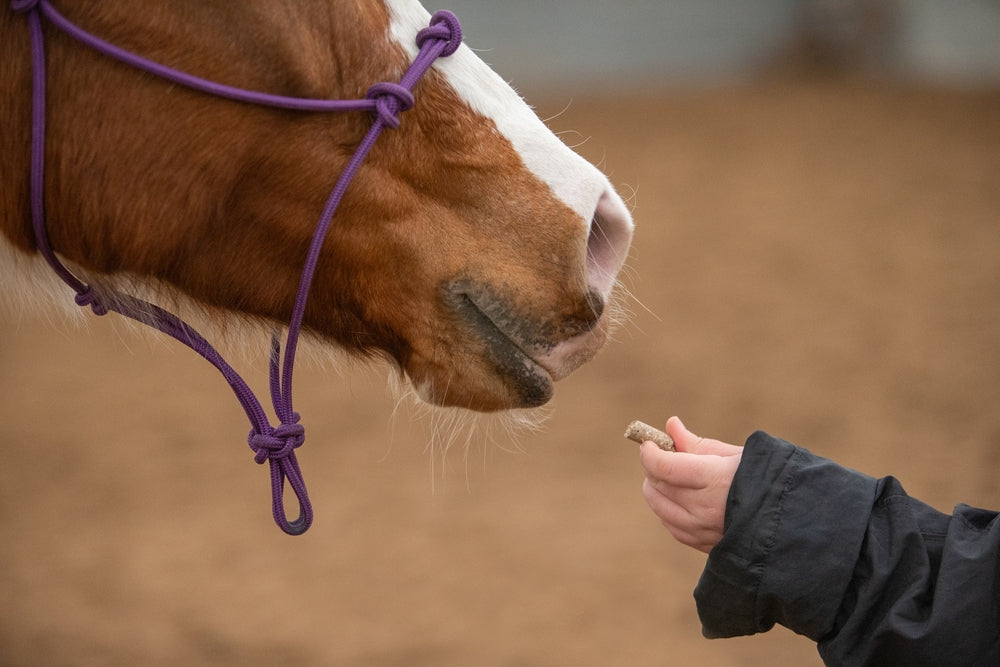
pixel 505 348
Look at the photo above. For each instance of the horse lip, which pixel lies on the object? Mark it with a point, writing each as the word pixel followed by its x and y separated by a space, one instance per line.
pixel 532 380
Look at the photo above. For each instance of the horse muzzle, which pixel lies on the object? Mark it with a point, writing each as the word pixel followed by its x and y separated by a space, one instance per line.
pixel 527 354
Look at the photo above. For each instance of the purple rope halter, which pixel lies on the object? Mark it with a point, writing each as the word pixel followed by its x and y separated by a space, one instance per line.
pixel 274 444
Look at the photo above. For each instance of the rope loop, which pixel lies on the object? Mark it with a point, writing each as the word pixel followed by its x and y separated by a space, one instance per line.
pixel 88 298
pixel 277 446
pixel 390 99
pixel 443 26
pixel 23 6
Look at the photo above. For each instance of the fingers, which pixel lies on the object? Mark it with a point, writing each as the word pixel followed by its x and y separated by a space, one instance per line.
pixel 677 469
pixel 687 527
pixel 687 489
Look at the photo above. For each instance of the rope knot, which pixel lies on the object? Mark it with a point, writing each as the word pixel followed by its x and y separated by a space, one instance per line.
pixel 390 100
pixel 278 444
pixel 21 6
pixel 444 26
pixel 88 298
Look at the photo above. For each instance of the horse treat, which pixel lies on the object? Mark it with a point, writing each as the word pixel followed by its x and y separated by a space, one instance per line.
pixel 641 432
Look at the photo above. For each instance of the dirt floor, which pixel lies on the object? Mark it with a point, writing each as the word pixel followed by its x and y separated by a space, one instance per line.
pixel 815 259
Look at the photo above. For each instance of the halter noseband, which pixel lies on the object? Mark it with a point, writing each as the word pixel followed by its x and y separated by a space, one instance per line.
pixel 274 444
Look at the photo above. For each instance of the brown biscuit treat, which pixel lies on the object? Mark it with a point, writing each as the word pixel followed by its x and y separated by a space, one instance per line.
pixel 640 432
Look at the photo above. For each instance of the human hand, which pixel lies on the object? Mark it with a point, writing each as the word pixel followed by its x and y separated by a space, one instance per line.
pixel 687 489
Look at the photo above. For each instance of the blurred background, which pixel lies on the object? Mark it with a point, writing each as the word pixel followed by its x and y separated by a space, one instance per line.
pixel 816 187
pixel 618 46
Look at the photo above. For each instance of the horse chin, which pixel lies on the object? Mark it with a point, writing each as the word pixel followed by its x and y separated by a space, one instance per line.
pixel 483 387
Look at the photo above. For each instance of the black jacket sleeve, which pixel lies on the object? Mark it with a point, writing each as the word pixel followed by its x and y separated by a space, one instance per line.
pixel 874 576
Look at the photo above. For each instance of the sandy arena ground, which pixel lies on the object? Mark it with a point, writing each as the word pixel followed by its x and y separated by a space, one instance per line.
pixel 819 260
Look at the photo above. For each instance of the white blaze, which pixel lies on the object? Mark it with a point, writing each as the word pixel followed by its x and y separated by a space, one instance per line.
pixel 572 179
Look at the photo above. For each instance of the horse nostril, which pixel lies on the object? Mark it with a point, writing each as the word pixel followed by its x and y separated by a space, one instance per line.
pixel 595 303
pixel 607 243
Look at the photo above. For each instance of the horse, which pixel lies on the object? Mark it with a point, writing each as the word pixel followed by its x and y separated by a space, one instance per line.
pixel 472 249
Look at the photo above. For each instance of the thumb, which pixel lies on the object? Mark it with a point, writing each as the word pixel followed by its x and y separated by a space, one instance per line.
pixel 686 441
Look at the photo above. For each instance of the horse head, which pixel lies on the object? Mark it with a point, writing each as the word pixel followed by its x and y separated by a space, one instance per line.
pixel 473 248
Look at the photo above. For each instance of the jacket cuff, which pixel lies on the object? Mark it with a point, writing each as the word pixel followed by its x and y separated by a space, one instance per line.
pixel 794 527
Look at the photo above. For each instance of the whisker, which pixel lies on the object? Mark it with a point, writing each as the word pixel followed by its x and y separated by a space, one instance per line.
pixel 560 113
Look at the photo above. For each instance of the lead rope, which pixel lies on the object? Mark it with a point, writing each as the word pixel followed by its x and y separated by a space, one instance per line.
pixel 274 444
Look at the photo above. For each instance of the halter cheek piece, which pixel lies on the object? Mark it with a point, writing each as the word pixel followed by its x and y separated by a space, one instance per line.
pixel 274 444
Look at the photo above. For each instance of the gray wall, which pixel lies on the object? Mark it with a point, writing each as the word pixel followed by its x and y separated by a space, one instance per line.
pixel 567 43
